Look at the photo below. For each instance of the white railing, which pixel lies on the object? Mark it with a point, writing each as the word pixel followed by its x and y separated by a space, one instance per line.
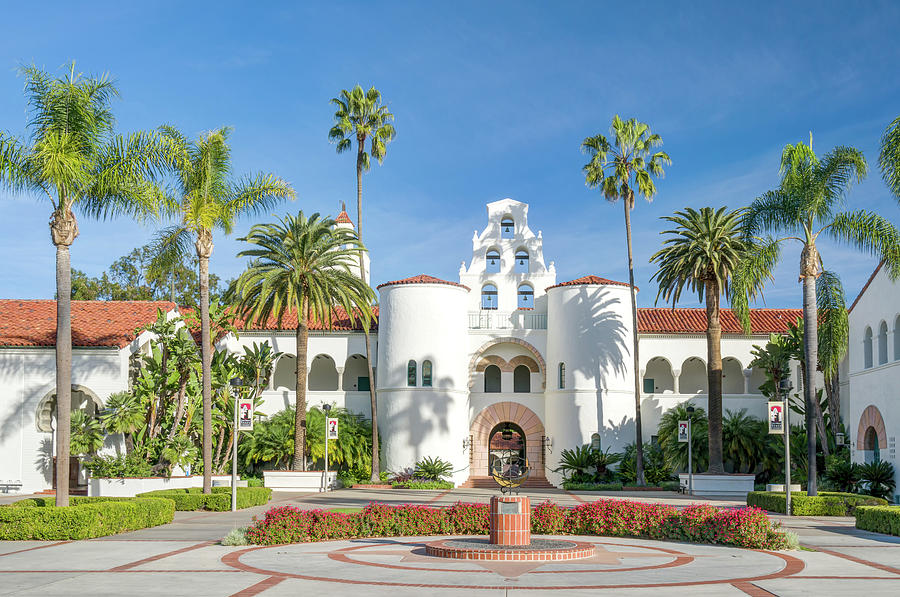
pixel 500 320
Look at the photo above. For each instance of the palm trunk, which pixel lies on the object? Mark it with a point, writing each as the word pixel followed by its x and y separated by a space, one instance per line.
pixel 129 443
pixel 373 397
pixel 714 378
pixel 63 230
pixel 811 349
pixel 204 250
pixel 833 391
pixel 299 460
pixel 638 435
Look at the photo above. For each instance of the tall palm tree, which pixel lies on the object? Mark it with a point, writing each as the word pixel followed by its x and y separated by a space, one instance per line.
pixel 889 158
pixel 361 114
pixel 620 168
pixel 708 254
pixel 209 199
pixel 804 206
pixel 302 266
pixel 72 158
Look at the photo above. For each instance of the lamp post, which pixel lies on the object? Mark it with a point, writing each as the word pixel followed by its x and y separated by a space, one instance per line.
pixel 236 383
pixel 785 387
pixel 327 409
pixel 690 412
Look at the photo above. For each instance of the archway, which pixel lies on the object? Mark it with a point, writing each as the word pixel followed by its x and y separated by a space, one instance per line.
pixel 479 360
pixel 518 416
pixel 505 440
pixel 323 375
pixel 871 435
pixel 83 398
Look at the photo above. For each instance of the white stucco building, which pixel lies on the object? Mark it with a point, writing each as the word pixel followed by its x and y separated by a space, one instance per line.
pixel 873 368
pixel 507 345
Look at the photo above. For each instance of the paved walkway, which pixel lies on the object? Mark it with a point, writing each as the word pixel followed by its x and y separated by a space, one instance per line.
pixel 183 558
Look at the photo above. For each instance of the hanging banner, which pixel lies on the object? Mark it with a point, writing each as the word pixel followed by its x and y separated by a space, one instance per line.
pixel 683 431
pixel 245 414
pixel 776 417
pixel 331 425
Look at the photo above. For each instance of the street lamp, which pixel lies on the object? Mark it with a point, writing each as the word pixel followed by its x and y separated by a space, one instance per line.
pixel 784 388
pixel 327 409
pixel 236 384
pixel 690 412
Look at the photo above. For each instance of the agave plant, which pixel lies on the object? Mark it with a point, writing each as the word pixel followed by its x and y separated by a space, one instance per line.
pixel 433 469
pixel 877 478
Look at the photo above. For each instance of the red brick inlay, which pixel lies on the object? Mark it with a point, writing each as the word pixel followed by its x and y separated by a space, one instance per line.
pixel 440 549
pixel 510 521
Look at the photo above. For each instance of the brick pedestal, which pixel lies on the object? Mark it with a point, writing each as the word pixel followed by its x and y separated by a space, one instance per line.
pixel 510 520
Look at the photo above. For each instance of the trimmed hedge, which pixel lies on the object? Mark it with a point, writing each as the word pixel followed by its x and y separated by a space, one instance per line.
pixel 880 519
pixel 422 485
pixel 86 518
pixel 572 486
pixel 219 500
pixel 827 503
pixel 747 527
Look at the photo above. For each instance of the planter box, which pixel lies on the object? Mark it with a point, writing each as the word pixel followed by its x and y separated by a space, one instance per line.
pixel 370 486
pixel 131 486
pixel 227 483
pixel 780 487
pixel 300 480
pixel 720 486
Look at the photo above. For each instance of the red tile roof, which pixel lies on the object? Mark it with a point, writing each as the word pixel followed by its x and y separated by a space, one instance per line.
pixel 94 323
pixel 422 279
pixel 343 218
pixel 340 322
pixel 594 280
pixel 666 320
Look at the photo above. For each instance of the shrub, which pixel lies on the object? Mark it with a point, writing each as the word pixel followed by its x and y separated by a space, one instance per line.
pixel 218 501
pixel 236 537
pixel 573 486
pixel 655 468
pixel 39 519
pixel 877 478
pixel 119 466
pixel 747 527
pixel 433 469
pixel 880 519
pixel 842 474
pixel 671 485
pixel 825 504
pixel 422 484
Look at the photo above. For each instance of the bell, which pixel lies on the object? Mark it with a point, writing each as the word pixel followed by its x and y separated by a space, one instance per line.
pixel 507 228
pixel 521 262
pixel 493 261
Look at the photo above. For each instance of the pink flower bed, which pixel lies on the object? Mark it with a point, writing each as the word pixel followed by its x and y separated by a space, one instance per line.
pixel 746 527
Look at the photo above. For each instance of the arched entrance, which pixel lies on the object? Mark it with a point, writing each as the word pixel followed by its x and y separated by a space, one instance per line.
pixel 505 441
pixel 496 417
pixel 871 435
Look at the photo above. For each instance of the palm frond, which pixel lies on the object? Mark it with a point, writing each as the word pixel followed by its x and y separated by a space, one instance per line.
pixel 834 326
pixel 868 232
pixel 889 157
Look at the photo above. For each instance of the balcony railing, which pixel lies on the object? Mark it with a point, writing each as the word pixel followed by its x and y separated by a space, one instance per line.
pixel 499 320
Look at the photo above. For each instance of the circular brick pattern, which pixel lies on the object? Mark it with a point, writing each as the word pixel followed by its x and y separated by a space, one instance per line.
pixel 539 550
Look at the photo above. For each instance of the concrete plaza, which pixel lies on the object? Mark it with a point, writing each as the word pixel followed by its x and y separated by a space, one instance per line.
pixel 184 558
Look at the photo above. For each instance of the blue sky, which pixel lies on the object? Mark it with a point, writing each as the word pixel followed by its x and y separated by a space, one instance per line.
pixel 492 100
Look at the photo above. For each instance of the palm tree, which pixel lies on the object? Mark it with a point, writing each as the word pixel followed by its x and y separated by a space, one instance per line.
pixel 302 266
pixel 208 199
pixel 707 254
pixel 72 158
pixel 361 114
pixel 889 158
pixel 124 414
pixel 804 206
pixel 617 169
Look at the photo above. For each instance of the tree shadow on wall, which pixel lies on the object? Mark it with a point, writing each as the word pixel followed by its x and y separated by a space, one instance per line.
pixel 597 313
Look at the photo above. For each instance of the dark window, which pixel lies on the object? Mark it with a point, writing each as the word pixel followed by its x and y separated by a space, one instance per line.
pixel 492 379
pixel 489 296
pixel 867 349
pixel 411 373
pixel 492 261
pixel 426 374
pixel 562 376
pixel 522 379
pixel 649 386
pixel 362 384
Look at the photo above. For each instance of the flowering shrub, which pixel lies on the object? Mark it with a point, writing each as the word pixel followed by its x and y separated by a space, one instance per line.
pixel 746 527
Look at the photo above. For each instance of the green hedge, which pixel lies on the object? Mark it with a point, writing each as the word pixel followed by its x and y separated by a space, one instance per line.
pixel 39 519
pixel 827 503
pixel 422 485
pixel 572 486
pixel 218 501
pixel 881 519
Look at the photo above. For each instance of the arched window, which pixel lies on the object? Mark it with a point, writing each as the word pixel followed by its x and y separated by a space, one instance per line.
pixel 867 349
pixel 488 296
pixel 507 227
pixel 562 376
pixel 411 373
pixel 426 374
pixel 522 261
pixel 522 379
pixel 492 379
pixel 526 297
pixel 882 344
pixel 897 339
pixel 492 261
